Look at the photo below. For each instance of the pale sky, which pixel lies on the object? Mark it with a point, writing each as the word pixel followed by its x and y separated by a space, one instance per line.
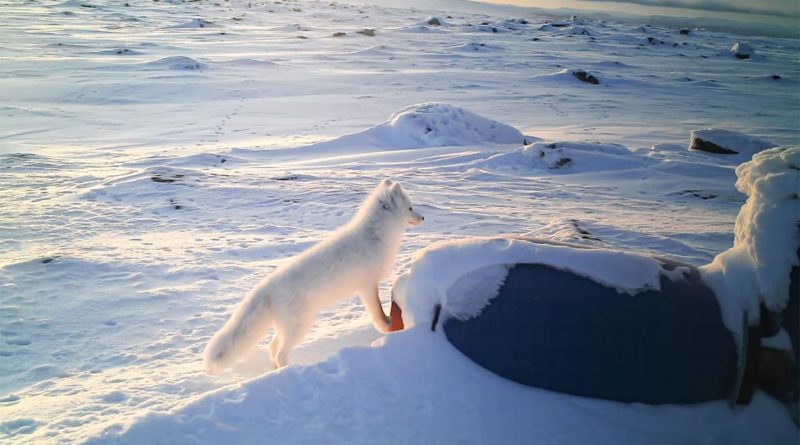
pixel 783 13
pixel 762 7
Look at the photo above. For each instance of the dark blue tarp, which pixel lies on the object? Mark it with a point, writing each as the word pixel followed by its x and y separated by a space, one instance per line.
pixel 553 329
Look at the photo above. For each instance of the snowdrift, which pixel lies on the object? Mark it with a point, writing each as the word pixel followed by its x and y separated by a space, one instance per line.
pixel 417 387
pixel 421 126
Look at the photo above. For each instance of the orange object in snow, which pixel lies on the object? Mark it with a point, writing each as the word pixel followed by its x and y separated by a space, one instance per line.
pixel 396 315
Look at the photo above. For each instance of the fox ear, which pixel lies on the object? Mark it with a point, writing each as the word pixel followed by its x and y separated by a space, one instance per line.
pixel 391 195
pixel 396 189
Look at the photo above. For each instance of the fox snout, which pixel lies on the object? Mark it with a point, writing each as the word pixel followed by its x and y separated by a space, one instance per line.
pixel 415 218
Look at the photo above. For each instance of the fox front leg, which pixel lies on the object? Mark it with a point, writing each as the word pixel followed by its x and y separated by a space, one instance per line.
pixel 372 301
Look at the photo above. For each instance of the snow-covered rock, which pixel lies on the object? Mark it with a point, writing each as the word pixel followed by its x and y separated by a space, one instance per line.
pixel 756 269
pixel 573 76
pixel 369 32
pixel 120 52
pixel 727 142
pixel 177 63
pixel 195 23
pixel 426 125
pixel 742 51
pixel 476 47
pixel 435 21
pixel 564 157
pixel 583 76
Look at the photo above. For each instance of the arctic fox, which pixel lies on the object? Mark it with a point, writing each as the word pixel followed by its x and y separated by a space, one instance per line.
pixel 352 260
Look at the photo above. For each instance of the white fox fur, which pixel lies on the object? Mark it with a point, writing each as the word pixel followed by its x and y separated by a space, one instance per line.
pixel 352 260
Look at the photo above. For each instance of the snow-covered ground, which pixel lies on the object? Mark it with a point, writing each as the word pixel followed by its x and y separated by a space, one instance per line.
pixel 158 158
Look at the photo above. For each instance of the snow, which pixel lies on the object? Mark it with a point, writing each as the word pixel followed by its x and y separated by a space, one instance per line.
pixel 440 273
pixel 144 192
pixel 756 269
pixel 415 387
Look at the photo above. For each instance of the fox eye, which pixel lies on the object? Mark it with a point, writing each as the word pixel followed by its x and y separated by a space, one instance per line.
pixel 410 209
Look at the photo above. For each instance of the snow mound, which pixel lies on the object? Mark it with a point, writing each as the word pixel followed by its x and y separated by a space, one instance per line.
pixel 475 47
pixel 200 160
pixel 767 238
pixel 177 63
pixel 75 4
pixel 120 52
pixel 441 271
pixel 568 230
pixel 742 51
pixel 727 142
pixel 245 61
pixel 436 21
pixel 565 157
pixel 426 125
pixel 571 76
pixel 195 23
pixel 569 29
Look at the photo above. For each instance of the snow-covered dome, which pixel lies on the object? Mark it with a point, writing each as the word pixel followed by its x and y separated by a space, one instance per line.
pixel 464 275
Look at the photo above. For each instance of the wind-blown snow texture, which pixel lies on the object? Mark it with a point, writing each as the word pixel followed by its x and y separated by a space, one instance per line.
pixel 158 159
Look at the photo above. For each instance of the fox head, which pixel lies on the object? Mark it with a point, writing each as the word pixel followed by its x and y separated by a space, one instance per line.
pixel 394 199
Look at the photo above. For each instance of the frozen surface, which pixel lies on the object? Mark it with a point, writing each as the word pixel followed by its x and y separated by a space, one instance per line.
pixel 158 159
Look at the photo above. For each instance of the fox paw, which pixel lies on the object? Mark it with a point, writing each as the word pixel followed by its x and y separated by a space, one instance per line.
pixel 383 326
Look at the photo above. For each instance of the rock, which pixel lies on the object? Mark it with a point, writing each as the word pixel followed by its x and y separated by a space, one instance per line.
pixel 585 77
pixel 339 34
pixel 367 32
pixel 742 51
pixel 726 142
pixel 685 31
pixel 562 162
pixel 435 21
